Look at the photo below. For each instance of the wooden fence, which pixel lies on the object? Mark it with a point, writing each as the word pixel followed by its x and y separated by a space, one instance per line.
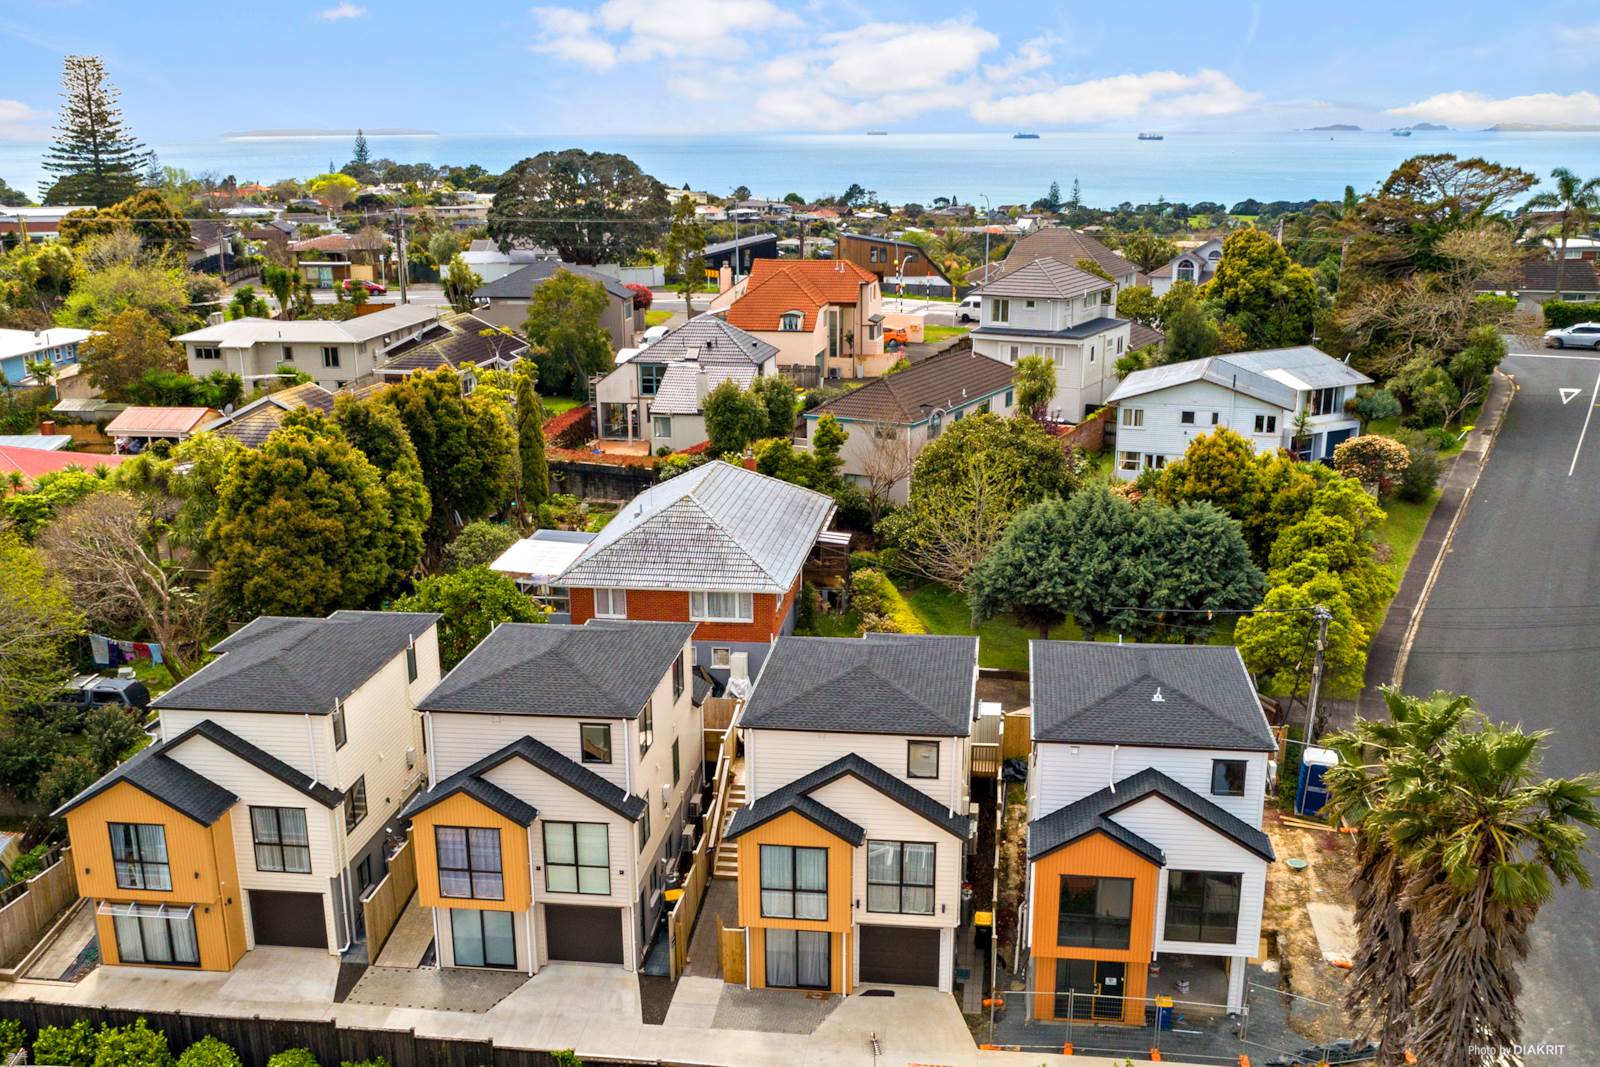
pixel 686 909
pixel 680 920
pixel 381 907
pixel 256 1039
pixel 29 912
pixel 1017 738
pixel 730 952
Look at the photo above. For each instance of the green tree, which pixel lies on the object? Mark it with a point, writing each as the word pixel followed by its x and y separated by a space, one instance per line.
pixel 30 511
pixel 472 602
pixel 160 228
pixel 535 468
pixel 1375 404
pixel 377 431
pixel 1190 334
pixel 465 446
pixel 1138 303
pixel 10 197
pixel 686 252
pixel 246 304
pixel 100 294
pixel 336 190
pixel 777 395
pixel 111 733
pixel 184 485
pixel 735 417
pixel 69 774
pixel 477 545
pixel 41 625
pixel 592 207
pixel 302 526
pixel 443 246
pixel 1036 385
pixel 460 282
pixel 1029 571
pixel 1276 641
pixel 95 159
pixel 1259 289
pixel 1575 202
pixel 361 156
pixel 1192 563
pixel 564 323
pixel 1148 250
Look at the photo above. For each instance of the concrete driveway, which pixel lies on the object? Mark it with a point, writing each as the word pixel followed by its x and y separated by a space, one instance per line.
pixel 1512 621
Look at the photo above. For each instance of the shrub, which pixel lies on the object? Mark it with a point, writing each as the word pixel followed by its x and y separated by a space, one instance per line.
pixel 293 1057
pixel 131 1046
pixel 810 606
pixel 863 560
pixel 376 1061
pixel 1373 403
pixel 66 1046
pixel 477 545
pixel 209 1052
pixel 1561 313
pixel 1376 461
pixel 12 1036
pixel 643 296
pixel 882 608
pixel 1422 475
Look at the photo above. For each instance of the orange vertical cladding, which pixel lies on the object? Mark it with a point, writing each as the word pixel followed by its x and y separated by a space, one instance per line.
pixel 465 811
pixel 793 829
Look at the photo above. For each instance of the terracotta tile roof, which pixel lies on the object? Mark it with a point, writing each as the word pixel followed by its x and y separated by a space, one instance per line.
pixel 806 285
pixel 34 462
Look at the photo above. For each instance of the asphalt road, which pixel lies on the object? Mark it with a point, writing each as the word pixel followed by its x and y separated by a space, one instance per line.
pixel 1514 620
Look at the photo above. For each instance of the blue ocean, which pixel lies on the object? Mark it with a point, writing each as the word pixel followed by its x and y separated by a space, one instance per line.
pixel 1110 167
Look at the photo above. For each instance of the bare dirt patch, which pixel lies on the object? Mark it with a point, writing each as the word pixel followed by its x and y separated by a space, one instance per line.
pixel 1316 1009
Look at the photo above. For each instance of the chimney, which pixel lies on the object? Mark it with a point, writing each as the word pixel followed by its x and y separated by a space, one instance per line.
pixel 702 387
pixel 724 279
pixel 749 459
pixel 47 427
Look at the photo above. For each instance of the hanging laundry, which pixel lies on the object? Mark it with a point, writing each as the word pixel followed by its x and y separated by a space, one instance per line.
pixel 100 650
pixel 155 654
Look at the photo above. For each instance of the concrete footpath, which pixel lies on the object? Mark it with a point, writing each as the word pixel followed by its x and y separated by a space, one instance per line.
pixel 1386 660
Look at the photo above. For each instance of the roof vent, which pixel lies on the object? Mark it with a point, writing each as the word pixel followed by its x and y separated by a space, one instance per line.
pixel 1158 698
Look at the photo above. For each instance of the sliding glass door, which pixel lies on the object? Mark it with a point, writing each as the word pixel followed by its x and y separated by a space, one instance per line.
pixel 799 959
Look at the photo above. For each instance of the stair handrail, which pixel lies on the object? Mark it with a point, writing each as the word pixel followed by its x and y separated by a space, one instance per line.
pixel 719 778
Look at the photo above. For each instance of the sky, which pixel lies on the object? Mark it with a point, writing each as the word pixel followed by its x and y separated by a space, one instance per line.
pixel 190 71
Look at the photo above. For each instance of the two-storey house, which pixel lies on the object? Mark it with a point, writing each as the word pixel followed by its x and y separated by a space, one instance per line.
pixel 1068 246
pixel 560 762
pixel 719 546
pixel 823 316
pixel 264 811
pixel 851 850
pixel 658 393
pixel 57 346
pixel 1260 395
pixel 1196 266
pixel 1146 860
pixel 332 353
pixel 1064 313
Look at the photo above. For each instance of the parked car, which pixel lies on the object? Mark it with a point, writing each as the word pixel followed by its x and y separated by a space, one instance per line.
pixel 96 690
pixel 968 309
pixel 371 287
pixel 1578 335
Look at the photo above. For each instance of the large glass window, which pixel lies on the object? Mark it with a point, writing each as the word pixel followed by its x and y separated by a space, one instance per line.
pixel 794 882
pixel 1095 912
pixel 1203 906
pixel 1227 777
pixel 594 740
pixel 922 759
pixel 577 857
pixel 280 840
pixel 154 934
pixel 719 606
pixel 139 853
pixel 650 375
pixel 798 959
pixel 1325 401
pixel 469 862
pixel 482 938
pixel 900 877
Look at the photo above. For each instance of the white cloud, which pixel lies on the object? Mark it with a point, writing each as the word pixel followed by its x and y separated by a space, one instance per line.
pixel 1166 94
pixel 342 11
pixel 19 121
pixel 1463 108
pixel 1032 55
pixel 627 30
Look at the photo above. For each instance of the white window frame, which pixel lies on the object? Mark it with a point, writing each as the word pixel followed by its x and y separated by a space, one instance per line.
pixel 1000 310
pixel 721 657
pixel 657 421
pixel 792 322
pixel 615 603
pixel 700 606
pixel 1133 418
pixel 1128 461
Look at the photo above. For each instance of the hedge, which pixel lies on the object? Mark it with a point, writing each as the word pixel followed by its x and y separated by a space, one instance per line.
pixel 1561 313
pixel 882 608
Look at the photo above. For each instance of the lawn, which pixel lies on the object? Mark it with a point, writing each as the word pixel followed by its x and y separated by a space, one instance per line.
pixel 656 318
pixel 930 334
pixel 555 405
pixel 1402 528
pixel 1001 641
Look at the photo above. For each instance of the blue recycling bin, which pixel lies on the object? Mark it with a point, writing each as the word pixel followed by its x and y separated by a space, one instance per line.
pixel 1311 793
pixel 1164 1018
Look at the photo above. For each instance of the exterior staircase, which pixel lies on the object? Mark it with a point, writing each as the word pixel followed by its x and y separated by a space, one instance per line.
pixel 727 857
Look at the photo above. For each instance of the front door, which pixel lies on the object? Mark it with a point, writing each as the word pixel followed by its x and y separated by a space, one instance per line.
pixel 1090 989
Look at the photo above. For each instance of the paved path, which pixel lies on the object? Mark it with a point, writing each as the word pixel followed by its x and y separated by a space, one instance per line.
pixel 1512 621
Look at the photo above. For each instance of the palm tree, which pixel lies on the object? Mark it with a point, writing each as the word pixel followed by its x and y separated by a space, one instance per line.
pixel 1575 202
pixel 1378 760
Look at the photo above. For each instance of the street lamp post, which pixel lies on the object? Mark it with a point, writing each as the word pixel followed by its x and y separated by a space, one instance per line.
pixel 900 280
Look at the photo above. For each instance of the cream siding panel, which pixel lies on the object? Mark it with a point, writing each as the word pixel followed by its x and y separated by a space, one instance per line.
pixel 1062 777
pixel 778 757
pixel 460 739
pixel 1190 845
pixel 286 736
pixel 381 729
pixel 558 802
pixel 652 770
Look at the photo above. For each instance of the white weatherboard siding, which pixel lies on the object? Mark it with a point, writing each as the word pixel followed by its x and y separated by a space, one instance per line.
pixel 383 744
pixel 1190 845
pixel 460 739
pixel 1063 776
pixel 304 742
pixel 774 758
pixel 1164 433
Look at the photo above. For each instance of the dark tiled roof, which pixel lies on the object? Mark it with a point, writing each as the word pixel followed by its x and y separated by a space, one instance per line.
pixel 1068 246
pixel 1097 810
pixel 252 424
pixel 878 684
pixel 939 382
pixel 1046 277
pixel 262 760
pixel 1140 335
pixel 788 799
pixel 559 767
pixel 520 283
pixel 1173 696
pixel 603 670
pixel 742 242
pixel 169 781
pixel 278 663
pixel 457 341
pixel 488 794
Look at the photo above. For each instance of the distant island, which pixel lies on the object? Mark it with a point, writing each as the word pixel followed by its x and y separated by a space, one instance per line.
pixel 1424 127
pixel 264 135
pixel 1543 127
pixel 1341 127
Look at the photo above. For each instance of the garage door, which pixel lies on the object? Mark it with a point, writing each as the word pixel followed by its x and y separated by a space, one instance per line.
pixel 280 918
pixel 589 935
pixel 896 955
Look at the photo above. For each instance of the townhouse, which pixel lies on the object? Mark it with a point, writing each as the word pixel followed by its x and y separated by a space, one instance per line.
pixel 561 760
pixel 264 811
pixel 823 316
pixel 1062 312
pixel 332 353
pixel 1146 859
pixel 1288 398
pixel 718 546
pixel 852 848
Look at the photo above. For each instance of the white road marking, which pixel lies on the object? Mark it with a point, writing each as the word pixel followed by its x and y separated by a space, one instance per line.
pixel 1567 393
pixel 1593 396
pixel 1550 355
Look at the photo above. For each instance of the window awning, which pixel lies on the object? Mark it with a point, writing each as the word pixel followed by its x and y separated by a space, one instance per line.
pixel 171 913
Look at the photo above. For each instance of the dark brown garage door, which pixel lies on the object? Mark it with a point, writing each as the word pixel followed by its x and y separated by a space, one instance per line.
pixel 589 935
pixel 897 955
pixel 280 918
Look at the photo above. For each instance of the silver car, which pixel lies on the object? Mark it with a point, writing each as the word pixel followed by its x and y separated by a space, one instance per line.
pixel 1578 335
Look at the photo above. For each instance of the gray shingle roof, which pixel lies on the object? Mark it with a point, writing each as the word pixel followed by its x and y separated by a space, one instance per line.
pixel 540 755
pixel 714 527
pixel 1140 336
pixel 1097 811
pixel 488 794
pixel 169 781
pixel 937 383
pixel 1300 367
pixel 710 338
pixel 601 670
pixel 1048 278
pixel 788 798
pixel 278 663
pixel 1172 696
pixel 879 684
pixel 1212 369
pixel 678 392
pixel 262 760
pixel 1068 246
pixel 520 283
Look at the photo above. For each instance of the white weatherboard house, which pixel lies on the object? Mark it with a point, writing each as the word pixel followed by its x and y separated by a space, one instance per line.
pixel 1145 795
pixel 1259 395
pixel 1053 309
pixel 560 760
pixel 1196 265
pixel 851 850
pixel 333 353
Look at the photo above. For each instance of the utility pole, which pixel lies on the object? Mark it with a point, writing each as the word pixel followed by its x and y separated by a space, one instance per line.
pixel 400 221
pixel 984 276
pixel 1323 617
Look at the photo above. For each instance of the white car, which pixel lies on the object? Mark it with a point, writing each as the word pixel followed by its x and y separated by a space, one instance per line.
pixel 968 309
pixel 1578 335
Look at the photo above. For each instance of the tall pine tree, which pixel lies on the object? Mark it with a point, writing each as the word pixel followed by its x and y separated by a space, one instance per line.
pixel 361 156
pixel 95 158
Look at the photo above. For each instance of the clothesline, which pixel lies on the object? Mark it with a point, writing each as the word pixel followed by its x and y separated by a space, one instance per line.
pixel 110 652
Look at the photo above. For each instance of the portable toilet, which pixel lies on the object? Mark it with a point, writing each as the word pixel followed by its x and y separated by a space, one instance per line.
pixel 1312 791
